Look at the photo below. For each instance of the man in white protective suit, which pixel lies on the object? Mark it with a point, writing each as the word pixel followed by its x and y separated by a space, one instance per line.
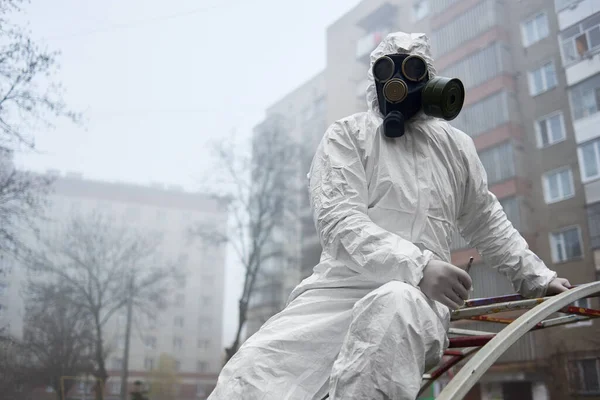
pixel 387 187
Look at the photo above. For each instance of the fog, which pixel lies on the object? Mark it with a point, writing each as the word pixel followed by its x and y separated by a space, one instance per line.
pixel 157 81
pixel 153 162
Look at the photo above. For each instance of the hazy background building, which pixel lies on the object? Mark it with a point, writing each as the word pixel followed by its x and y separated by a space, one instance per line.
pixel 301 117
pixel 190 329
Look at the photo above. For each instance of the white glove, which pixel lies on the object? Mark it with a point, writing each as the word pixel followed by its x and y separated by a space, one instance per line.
pixel 445 283
pixel 557 286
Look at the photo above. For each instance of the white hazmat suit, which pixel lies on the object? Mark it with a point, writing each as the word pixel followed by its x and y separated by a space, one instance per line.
pixel 360 327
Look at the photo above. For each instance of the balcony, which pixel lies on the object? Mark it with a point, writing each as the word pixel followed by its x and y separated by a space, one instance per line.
pixel 368 43
pixel 587 128
pixel 576 11
pixel 385 13
pixel 589 65
pixel 592 195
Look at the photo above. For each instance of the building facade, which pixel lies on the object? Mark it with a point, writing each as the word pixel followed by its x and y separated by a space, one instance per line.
pixel 189 331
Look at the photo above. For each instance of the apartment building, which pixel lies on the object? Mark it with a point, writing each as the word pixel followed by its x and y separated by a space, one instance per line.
pixel 579 39
pixel 301 117
pixel 507 55
pixel 189 331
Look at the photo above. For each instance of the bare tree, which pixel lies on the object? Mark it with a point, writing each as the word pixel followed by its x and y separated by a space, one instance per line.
pixel 58 337
pixel 15 372
pixel 260 188
pixel 105 265
pixel 28 95
pixel 22 198
pixel 29 99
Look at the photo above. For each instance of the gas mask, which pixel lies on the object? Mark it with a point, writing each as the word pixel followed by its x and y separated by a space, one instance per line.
pixel 404 88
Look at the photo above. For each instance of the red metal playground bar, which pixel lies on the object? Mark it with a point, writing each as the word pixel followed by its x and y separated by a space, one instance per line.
pixel 487 347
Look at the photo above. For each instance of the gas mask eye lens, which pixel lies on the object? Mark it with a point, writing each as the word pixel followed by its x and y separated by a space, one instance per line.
pixel 395 91
pixel 414 68
pixel 383 69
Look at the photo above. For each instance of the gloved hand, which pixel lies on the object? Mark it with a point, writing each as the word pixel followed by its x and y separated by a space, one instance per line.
pixel 558 285
pixel 445 283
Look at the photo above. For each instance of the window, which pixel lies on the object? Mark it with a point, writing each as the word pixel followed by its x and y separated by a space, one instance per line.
pixel 180 300
pixel 320 105
pixel 115 387
pixel 550 130
pixel 467 26
pixel 205 300
pixel 84 387
pixel 589 160
pixel 585 97
pixel 558 185
pixel 205 324
pixel 560 4
pixel 512 210
pixel 542 79
pixel 177 343
pixel 3 288
pixel 208 280
pixel 484 115
pixel 498 162
pixel 579 40
pixel 420 9
pixel 585 376
pixel 149 363
pixel 150 342
pixel 566 245
pixel 117 363
pixel 121 342
pixel 593 215
pixel 440 5
pixel 366 44
pixel 179 322
pixel 177 365
pixel 202 390
pixel 534 29
pixel 202 366
pixel 480 66
pixel 203 344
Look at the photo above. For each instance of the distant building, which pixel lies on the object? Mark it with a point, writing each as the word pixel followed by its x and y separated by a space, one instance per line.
pixel 190 330
pixel 301 114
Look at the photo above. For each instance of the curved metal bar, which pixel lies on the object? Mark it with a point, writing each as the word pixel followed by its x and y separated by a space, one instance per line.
pixel 463 313
pixel 457 357
pixel 486 356
pixel 468 332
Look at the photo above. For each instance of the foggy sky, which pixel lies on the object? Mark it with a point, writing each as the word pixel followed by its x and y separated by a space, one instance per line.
pixel 157 79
